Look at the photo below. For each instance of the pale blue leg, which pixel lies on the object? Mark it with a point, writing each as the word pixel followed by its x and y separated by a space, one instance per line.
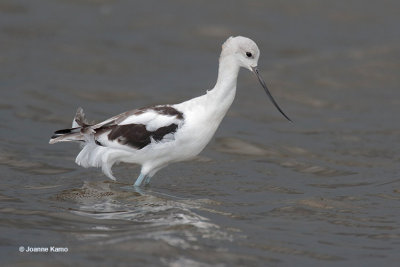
pixel 147 180
pixel 140 179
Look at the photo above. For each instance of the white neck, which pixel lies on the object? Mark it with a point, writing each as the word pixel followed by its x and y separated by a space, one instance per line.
pixel 223 93
pixel 213 106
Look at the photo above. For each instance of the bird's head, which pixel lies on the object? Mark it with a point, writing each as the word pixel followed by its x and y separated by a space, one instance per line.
pixel 245 53
pixel 244 50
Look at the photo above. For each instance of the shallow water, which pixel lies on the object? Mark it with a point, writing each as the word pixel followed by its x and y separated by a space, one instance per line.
pixel 324 190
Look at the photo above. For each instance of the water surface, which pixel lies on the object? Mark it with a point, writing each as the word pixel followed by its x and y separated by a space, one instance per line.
pixel 322 191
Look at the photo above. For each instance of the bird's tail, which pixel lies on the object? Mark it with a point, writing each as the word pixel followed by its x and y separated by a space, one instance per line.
pixel 77 133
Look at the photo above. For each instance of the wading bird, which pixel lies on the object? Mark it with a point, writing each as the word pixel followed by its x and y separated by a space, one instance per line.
pixel 159 135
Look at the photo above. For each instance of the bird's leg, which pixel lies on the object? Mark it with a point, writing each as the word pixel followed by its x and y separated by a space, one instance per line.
pixel 140 179
pixel 147 180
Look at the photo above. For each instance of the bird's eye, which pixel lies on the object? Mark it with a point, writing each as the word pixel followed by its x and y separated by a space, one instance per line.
pixel 248 54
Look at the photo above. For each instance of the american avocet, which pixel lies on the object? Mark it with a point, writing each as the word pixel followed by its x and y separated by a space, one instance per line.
pixel 157 136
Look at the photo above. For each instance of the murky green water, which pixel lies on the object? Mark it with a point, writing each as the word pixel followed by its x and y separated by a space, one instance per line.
pixel 322 191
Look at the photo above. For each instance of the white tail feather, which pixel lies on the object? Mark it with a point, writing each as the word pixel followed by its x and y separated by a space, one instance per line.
pixel 93 155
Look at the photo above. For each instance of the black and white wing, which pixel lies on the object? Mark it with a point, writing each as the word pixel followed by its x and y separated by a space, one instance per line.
pixel 139 128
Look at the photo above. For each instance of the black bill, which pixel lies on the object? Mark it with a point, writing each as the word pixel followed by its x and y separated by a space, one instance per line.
pixel 260 79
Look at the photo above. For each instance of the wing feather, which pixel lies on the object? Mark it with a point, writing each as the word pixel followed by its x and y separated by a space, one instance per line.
pixel 139 128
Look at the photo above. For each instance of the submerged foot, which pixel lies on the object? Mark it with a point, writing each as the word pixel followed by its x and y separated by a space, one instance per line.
pixel 136 189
